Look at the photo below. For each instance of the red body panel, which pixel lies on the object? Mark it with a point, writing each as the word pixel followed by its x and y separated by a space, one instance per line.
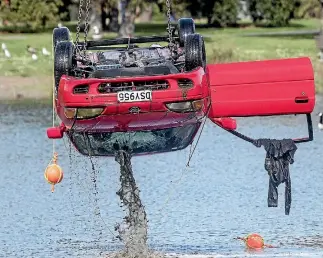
pixel 260 88
pixel 94 98
pixel 117 117
pixel 136 122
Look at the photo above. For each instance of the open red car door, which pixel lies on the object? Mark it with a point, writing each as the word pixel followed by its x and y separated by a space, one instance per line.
pixel 261 88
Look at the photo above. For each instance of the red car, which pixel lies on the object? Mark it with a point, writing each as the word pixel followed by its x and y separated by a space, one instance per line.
pixel 153 99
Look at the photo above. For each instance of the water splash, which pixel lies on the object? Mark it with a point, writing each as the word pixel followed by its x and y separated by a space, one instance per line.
pixel 133 231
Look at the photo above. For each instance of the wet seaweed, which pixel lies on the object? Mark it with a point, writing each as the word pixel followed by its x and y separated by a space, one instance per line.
pixel 133 232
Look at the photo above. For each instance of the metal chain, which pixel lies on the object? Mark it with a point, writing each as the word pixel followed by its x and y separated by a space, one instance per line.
pixel 78 27
pixel 86 28
pixel 169 26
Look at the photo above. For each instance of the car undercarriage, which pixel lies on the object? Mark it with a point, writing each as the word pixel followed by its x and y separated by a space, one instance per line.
pixel 111 58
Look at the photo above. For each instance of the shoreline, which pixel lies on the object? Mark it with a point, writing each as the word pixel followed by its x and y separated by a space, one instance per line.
pixel 18 88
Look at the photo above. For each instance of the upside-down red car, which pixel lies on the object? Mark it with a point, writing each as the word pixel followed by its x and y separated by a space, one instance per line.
pixel 152 99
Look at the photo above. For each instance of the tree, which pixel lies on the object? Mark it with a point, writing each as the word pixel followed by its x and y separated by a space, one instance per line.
pixel 96 13
pixel 195 8
pixel 254 12
pixel 177 6
pixel 64 8
pixel 225 13
pixel 308 9
pixel 128 11
pixel 220 13
pixel 101 9
pixel 275 12
pixel 30 14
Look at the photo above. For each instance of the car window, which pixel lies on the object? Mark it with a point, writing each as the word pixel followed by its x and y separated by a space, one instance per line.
pixel 139 142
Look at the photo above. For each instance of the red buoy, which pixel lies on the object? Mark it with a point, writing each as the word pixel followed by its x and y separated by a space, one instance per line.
pixel 255 241
pixel 53 173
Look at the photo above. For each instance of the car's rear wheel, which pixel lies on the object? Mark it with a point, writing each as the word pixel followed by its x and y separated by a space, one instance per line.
pixel 195 55
pixel 186 26
pixel 59 35
pixel 63 60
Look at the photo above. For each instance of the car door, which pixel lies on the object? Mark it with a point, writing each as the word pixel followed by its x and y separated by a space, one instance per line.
pixel 261 88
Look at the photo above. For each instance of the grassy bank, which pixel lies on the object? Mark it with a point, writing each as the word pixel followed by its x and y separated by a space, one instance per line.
pixel 22 77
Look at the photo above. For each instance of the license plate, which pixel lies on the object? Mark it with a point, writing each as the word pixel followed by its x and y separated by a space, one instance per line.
pixel 134 96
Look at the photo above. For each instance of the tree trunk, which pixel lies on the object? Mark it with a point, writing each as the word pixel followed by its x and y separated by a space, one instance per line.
pixel 96 18
pixel 209 20
pixel 104 15
pixel 127 27
pixel 147 14
pixel 127 17
pixel 113 16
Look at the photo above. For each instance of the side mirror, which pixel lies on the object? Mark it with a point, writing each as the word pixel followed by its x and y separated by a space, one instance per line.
pixel 56 132
pixel 227 123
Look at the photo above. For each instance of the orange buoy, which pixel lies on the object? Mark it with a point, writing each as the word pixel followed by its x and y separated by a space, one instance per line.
pixel 254 241
pixel 53 173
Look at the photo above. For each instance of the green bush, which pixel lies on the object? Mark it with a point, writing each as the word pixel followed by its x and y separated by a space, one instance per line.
pixel 253 10
pixel 225 13
pixel 221 13
pixel 275 13
pixel 29 15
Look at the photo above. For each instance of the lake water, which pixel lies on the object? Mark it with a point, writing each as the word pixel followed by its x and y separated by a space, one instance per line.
pixel 195 211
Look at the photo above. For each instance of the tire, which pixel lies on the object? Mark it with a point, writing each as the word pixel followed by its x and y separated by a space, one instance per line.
pixel 186 26
pixel 195 55
pixel 59 35
pixel 63 61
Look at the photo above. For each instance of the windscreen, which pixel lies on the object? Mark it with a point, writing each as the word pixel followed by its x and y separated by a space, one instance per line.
pixel 135 142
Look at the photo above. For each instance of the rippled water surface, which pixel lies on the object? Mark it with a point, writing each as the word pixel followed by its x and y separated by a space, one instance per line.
pixel 195 211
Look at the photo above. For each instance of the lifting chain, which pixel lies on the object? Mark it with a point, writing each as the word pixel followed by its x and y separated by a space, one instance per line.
pixel 86 28
pixel 169 25
pixel 78 27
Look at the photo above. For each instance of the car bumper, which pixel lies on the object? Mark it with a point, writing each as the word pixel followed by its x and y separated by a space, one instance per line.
pixel 93 98
pixel 118 116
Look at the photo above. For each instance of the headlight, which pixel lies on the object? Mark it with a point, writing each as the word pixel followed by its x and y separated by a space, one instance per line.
pixel 82 113
pixel 185 106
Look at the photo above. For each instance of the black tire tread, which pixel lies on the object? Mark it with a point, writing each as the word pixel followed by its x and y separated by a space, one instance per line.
pixel 63 60
pixel 60 34
pixel 195 55
pixel 186 26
